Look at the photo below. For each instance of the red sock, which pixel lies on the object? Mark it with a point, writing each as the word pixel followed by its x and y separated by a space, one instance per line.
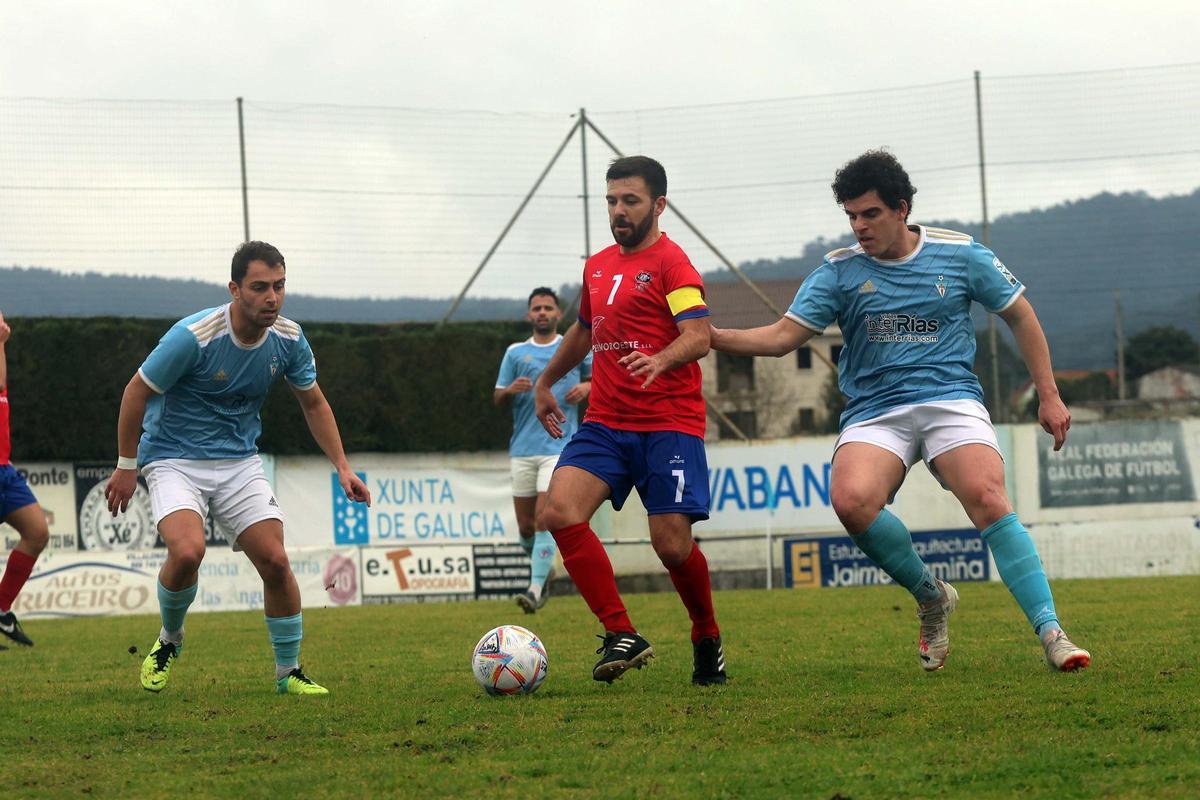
pixel 588 564
pixel 15 575
pixel 695 590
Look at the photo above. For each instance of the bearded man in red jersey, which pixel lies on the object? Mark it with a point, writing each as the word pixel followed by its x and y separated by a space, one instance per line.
pixel 643 316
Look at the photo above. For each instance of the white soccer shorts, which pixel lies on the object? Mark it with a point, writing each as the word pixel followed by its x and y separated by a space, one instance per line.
pixel 925 431
pixel 531 474
pixel 235 490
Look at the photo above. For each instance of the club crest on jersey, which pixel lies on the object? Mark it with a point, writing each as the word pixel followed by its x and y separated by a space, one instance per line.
pixel 274 365
pixel 1008 276
pixel 867 287
pixel 221 376
pixel 941 286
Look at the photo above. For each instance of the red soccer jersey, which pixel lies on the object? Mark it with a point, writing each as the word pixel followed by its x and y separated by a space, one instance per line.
pixel 5 445
pixel 633 302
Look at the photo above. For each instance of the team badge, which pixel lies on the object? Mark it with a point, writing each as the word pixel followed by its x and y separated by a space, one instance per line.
pixel 867 287
pixel 941 286
pixel 274 365
pixel 644 277
pixel 220 376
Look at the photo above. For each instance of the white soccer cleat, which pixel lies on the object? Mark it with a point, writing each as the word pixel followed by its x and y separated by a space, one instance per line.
pixel 1063 655
pixel 934 644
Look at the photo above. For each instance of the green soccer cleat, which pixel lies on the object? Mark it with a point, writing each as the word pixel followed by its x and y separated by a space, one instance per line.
pixel 296 682
pixel 157 666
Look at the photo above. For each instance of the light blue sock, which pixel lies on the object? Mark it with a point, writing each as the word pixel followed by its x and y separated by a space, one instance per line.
pixel 889 544
pixel 172 607
pixel 286 633
pixel 540 559
pixel 1021 570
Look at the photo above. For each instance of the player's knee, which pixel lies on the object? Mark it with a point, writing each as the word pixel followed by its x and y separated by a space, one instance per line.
pixel 854 506
pixel 36 537
pixel 554 517
pixel 673 552
pixel 985 504
pixel 274 567
pixel 187 557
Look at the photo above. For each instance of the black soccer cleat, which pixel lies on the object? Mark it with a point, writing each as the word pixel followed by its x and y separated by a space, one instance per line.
pixel 12 629
pixel 708 662
pixel 621 652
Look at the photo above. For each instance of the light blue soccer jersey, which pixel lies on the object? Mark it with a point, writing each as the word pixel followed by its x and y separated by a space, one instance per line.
pixel 528 359
pixel 906 322
pixel 209 387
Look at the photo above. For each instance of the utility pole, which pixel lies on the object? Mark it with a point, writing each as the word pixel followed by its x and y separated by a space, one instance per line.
pixel 1120 330
pixel 998 410
pixel 245 192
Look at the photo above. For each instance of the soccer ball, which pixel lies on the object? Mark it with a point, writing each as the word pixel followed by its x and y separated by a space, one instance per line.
pixel 509 660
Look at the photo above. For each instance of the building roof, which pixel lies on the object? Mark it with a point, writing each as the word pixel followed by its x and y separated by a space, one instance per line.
pixel 734 305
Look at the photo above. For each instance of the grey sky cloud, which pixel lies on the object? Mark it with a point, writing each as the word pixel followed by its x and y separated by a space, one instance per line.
pixel 751 106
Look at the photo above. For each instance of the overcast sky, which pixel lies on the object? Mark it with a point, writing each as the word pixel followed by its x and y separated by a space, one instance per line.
pixel 550 58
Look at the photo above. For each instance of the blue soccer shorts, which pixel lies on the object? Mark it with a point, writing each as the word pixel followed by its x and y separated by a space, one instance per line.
pixel 668 468
pixel 14 491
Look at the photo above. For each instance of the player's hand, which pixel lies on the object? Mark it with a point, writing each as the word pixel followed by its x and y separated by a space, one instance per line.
pixel 5 331
pixel 1055 419
pixel 520 386
pixel 354 487
pixel 121 486
pixel 578 393
pixel 641 365
pixel 548 412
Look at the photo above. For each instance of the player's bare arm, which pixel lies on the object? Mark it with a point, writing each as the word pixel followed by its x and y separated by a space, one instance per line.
pixel 573 349
pixel 123 482
pixel 777 339
pixel 519 386
pixel 324 429
pixel 1053 415
pixel 5 332
pixel 692 344
pixel 578 393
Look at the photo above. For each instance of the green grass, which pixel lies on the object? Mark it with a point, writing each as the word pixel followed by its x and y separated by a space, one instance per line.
pixel 826 699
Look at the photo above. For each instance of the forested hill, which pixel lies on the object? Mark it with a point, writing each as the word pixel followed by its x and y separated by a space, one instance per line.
pixel 1071 256
pixel 36 292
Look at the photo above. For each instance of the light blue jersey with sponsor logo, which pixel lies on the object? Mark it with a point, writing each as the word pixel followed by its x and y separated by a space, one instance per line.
pixel 209 387
pixel 528 359
pixel 906 322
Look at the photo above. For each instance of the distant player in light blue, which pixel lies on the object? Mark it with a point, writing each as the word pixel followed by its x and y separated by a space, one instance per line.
pixel 902 297
pixel 532 452
pixel 197 397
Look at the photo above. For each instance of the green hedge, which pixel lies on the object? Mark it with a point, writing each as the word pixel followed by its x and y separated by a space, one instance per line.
pixel 393 388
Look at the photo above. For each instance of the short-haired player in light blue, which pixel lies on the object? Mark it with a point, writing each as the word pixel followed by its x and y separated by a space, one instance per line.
pixel 197 396
pixel 902 296
pixel 532 452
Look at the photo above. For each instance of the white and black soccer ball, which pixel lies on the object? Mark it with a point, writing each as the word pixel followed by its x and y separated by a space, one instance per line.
pixel 509 660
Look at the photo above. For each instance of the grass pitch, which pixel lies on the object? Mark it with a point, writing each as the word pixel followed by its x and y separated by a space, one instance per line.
pixel 826 699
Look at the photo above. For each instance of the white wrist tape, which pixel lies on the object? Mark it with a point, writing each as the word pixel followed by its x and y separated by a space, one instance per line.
pixel 124 462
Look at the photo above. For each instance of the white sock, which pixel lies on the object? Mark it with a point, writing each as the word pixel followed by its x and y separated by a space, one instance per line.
pixel 535 589
pixel 283 670
pixel 173 637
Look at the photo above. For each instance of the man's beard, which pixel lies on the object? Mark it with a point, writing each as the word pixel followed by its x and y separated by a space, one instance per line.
pixel 635 236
